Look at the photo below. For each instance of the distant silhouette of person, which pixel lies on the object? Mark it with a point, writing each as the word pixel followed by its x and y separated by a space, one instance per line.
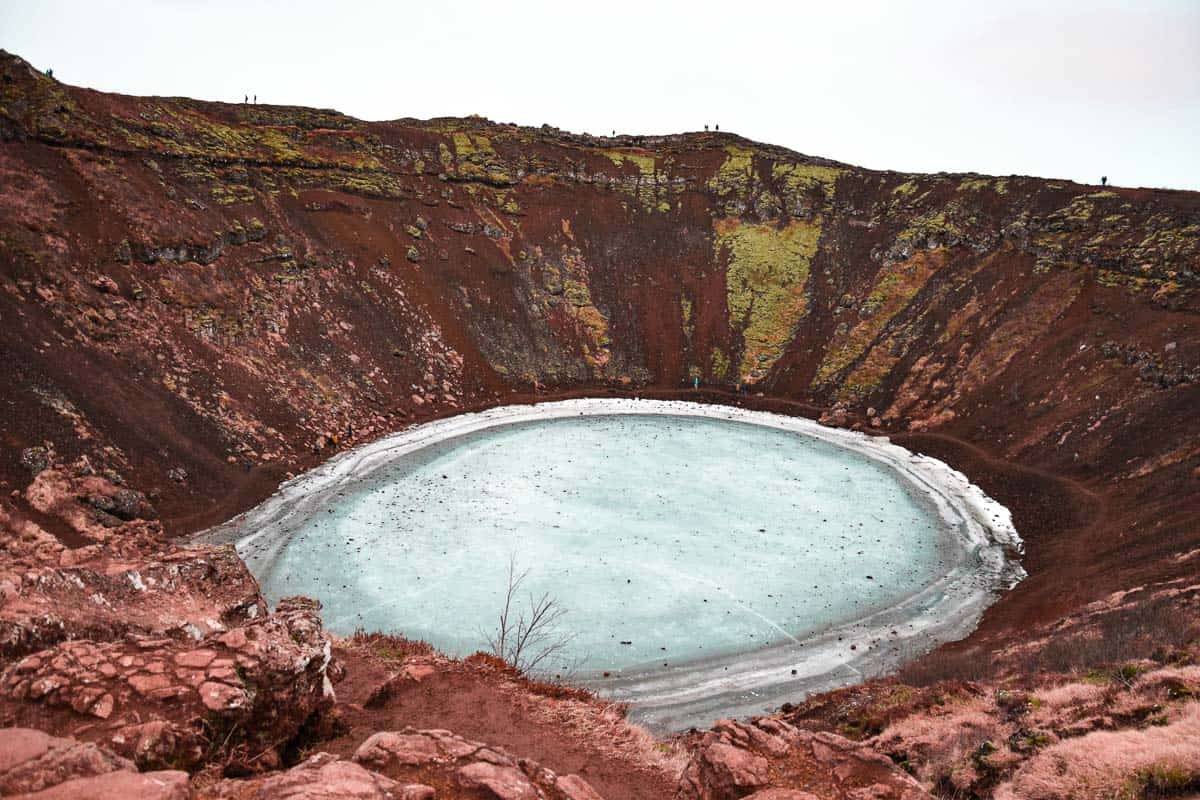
pixel 49 72
pixel 255 99
pixel 696 382
pixel 718 127
pixel 1104 180
pixel 245 98
pixel 706 127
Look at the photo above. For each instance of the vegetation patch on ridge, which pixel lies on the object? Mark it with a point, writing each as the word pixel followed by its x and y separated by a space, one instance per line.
pixel 765 282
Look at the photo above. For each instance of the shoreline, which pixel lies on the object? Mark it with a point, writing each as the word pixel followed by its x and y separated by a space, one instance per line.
pixel 696 693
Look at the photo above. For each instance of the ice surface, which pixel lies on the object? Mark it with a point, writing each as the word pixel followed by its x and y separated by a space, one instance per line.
pixel 667 538
pixel 738 540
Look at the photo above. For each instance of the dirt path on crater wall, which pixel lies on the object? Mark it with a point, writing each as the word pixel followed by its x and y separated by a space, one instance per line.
pixel 1053 515
pixel 489 709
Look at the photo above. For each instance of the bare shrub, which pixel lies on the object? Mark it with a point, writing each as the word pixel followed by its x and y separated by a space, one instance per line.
pixel 529 636
pixel 943 664
pixel 1124 634
pixel 391 646
pixel 1144 630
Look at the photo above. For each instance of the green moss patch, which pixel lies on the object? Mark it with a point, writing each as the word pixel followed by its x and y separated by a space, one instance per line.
pixel 765 281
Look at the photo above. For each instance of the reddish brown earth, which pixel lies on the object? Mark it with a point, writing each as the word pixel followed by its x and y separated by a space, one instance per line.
pixel 200 299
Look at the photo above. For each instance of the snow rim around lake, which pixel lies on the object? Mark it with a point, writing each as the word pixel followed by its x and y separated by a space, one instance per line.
pixel 984 564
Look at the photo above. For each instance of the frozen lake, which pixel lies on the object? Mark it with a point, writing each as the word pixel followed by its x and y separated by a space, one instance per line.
pixel 676 541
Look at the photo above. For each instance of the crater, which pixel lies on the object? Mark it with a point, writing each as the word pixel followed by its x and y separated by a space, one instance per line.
pixel 711 561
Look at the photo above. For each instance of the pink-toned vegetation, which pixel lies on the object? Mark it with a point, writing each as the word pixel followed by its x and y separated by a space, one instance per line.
pixel 1072 694
pixel 1128 733
pixel 1122 765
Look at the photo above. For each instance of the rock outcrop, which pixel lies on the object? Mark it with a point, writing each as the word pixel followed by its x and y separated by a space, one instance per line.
pixel 452 762
pixel 768 759
pixel 36 765
pixel 166 654
pixel 320 777
pixel 251 687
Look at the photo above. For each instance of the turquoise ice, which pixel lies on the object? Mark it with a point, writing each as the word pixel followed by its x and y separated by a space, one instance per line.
pixel 666 538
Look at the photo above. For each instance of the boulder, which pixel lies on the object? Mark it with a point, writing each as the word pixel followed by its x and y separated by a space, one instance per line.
pixel 34 764
pixel 452 763
pixel 768 759
pixel 505 783
pixel 574 787
pixel 31 760
pixel 162 697
pixel 320 777
pixel 160 785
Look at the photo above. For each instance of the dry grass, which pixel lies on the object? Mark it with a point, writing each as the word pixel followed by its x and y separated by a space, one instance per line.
pixel 534 685
pixel 389 646
pixel 1131 764
pixel 944 664
pixel 1055 698
pixel 1151 629
pixel 947 748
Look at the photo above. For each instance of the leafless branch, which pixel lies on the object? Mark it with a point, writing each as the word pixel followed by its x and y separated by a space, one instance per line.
pixel 529 638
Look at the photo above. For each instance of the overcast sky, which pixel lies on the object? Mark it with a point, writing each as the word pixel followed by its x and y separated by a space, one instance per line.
pixel 1051 88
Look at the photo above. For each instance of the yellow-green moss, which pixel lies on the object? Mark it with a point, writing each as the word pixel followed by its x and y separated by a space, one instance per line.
pixel 893 290
pixel 228 195
pixel 765 281
pixel 799 179
pixel 650 186
pixel 720 364
pixel 472 147
pixel 642 162
pixel 577 293
pixel 735 173
pixel 975 184
pixel 594 324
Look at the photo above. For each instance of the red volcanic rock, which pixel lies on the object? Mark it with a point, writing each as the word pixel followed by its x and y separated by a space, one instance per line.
pixel 722 770
pixel 158 785
pixel 183 592
pixel 35 764
pixel 574 787
pixel 262 682
pixel 452 761
pixel 505 783
pixel 123 580
pixel 320 777
pixel 31 760
pixel 736 759
pixel 405 749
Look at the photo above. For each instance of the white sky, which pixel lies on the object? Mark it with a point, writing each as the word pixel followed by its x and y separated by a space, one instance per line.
pixel 1050 88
